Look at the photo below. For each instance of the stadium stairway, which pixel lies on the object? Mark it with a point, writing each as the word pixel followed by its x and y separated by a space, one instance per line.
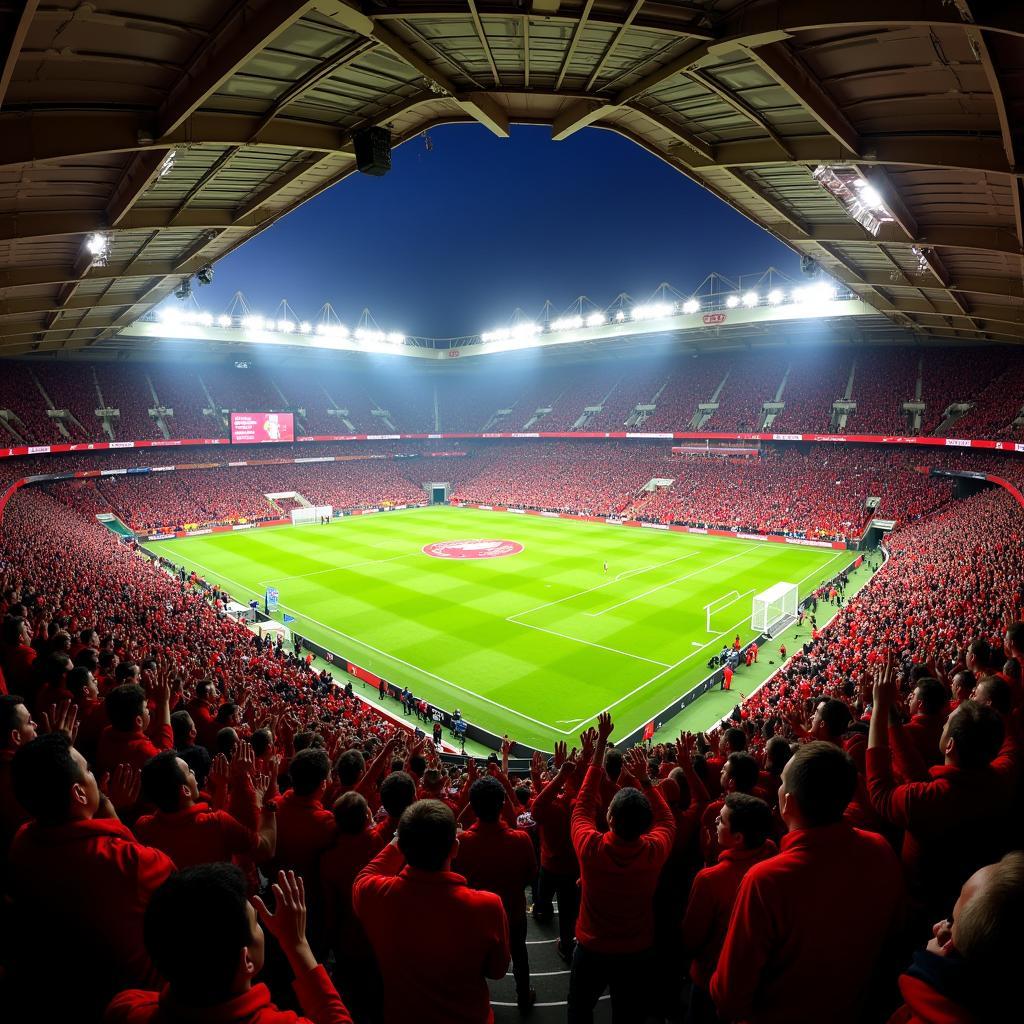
pixel 549 976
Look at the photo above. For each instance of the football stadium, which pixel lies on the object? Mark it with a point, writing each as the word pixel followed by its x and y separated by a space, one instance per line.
pixel 511 509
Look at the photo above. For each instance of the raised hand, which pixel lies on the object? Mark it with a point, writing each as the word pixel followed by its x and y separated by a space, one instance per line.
pixel 506 745
pixel 243 764
pixel 605 726
pixel 288 921
pixel 219 773
pixel 635 760
pixel 588 743
pixel 62 717
pixel 884 687
pixel 123 787
pixel 560 753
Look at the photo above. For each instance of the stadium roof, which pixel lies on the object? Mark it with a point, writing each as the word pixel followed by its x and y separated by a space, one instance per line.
pixel 175 131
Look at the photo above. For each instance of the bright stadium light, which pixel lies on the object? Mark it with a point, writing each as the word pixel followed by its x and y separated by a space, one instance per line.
pixel 285 326
pixel 653 310
pixel 98 246
pixel 171 315
pixel 223 320
pixel 253 322
pixel 732 301
pixel 396 338
pixel 205 319
pixel 750 299
pixel 775 296
pixel 596 320
pixel 691 306
pixel 305 327
pixel 567 323
pixel 620 317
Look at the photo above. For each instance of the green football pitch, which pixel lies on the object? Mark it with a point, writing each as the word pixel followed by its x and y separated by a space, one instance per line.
pixel 535 644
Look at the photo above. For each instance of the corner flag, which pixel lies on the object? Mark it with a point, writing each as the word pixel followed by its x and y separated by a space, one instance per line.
pixel 285 617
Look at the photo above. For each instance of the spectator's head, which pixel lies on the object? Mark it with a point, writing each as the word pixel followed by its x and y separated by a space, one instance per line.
pixel 184 729
pixel 487 797
pixel 1011 669
pixel 613 763
pixel 831 719
pixel 972 736
pixel 126 672
pixel 349 767
pixel 733 741
pixel 53 668
pixel 16 725
pixel 929 698
pixel 817 784
pixel 629 814
pixel 309 772
pixel 986 930
pixel 979 656
pixel 262 742
pixel 397 792
pixel 126 708
pixel 82 684
pixel 426 835
pixel 740 773
pixel 994 692
pixel 351 813
pixel 226 743
pixel 88 658
pixel 744 822
pixel 777 751
pixel 206 690
pixel 963 685
pixel 203 936
pixel 1013 641
pixel 52 781
pixel 168 782
pixel 227 715
pixel 88 637
pixel 16 631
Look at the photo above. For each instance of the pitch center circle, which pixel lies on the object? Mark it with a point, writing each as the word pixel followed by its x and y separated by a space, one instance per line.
pixel 473 549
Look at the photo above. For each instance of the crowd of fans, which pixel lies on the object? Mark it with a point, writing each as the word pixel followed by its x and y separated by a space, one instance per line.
pixel 197 826
pixel 509 398
pixel 807 492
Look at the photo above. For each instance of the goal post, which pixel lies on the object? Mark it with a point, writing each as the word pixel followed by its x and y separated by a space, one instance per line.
pixel 775 608
pixel 311 514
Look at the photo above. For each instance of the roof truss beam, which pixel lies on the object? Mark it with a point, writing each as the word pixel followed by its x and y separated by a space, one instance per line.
pixel 10 49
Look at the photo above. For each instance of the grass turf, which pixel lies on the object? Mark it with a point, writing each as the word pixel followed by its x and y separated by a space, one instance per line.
pixel 536 644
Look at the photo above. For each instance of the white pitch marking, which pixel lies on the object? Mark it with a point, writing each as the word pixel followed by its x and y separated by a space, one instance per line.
pixel 338 568
pixel 590 643
pixel 590 590
pixel 376 650
pixel 678 579
pixel 711 642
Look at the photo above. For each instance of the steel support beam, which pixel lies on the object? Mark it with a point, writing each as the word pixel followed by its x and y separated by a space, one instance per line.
pixel 12 49
pixel 240 39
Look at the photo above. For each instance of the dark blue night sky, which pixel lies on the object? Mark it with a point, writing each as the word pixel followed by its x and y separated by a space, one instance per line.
pixel 454 238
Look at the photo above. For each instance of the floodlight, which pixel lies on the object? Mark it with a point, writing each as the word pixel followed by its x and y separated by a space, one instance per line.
pixel 223 320
pixel 205 319
pixel 775 296
pixel 305 327
pixel 204 275
pixel 750 299
pixel 620 316
pixel 285 326
pixel 732 301
pixel 396 338
pixel 253 322
pixel 596 320
pixel 98 245
pixel 184 289
pixel 691 306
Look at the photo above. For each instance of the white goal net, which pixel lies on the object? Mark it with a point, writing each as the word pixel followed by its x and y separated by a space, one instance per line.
pixel 775 608
pixel 311 514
